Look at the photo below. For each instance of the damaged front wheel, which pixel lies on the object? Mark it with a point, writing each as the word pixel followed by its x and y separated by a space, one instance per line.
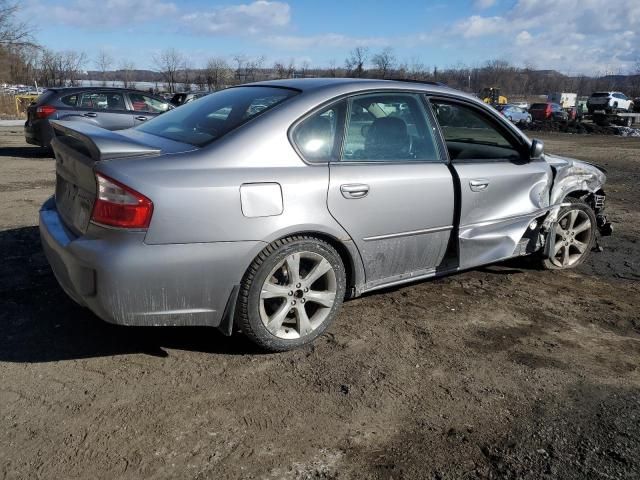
pixel 572 237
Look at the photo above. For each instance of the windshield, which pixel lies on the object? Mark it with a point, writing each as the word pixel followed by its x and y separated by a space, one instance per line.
pixel 199 123
pixel 600 94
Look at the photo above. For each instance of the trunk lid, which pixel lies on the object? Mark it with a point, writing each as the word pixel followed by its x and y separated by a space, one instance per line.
pixel 78 147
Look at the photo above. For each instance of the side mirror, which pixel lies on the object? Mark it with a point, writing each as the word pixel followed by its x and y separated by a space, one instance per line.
pixel 537 149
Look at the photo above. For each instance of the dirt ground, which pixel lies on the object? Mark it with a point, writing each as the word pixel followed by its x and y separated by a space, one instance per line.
pixel 501 372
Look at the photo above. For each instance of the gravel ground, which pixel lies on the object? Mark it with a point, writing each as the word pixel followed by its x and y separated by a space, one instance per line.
pixel 501 372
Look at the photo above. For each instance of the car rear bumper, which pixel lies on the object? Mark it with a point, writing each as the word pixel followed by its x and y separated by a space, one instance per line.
pixel 125 281
pixel 38 133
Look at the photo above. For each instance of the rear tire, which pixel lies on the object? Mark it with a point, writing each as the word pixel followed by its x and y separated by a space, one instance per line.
pixel 575 236
pixel 291 293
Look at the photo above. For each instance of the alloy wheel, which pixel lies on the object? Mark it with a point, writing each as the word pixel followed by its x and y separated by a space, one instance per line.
pixel 298 295
pixel 573 233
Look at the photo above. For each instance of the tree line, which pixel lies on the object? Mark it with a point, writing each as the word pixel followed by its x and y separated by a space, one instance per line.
pixel 22 61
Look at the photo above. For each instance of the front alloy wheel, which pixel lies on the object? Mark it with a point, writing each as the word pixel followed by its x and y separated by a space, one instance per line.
pixel 291 293
pixel 574 236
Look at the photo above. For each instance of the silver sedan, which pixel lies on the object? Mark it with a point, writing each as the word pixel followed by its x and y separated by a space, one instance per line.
pixel 515 114
pixel 262 207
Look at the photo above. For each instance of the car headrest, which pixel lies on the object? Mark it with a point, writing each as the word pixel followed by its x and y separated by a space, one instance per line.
pixel 387 138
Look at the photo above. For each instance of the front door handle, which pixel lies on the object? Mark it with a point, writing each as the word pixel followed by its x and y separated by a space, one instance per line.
pixel 91 114
pixel 478 185
pixel 141 118
pixel 354 190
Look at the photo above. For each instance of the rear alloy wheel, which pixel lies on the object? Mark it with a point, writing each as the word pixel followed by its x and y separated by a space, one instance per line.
pixel 291 293
pixel 574 236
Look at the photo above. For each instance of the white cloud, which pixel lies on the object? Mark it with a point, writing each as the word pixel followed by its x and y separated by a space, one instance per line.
pixel 587 36
pixel 484 4
pixel 478 26
pixel 252 18
pixel 100 14
pixel 327 40
pixel 523 38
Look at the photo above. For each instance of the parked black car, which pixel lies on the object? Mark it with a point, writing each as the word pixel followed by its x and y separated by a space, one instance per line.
pixel 186 97
pixel 110 108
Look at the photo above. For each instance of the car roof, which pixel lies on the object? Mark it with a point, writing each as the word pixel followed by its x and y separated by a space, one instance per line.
pixel 337 86
pixel 84 89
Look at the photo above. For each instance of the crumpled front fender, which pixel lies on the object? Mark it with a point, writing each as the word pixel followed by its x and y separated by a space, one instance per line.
pixel 573 175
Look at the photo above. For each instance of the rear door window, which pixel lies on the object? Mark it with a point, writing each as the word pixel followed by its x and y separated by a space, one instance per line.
pixel 388 127
pixel 101 101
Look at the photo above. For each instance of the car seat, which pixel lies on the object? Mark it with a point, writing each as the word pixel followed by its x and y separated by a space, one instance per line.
pixel 387 138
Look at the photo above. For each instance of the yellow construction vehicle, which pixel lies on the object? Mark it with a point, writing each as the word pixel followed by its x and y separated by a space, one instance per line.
pixel 491 95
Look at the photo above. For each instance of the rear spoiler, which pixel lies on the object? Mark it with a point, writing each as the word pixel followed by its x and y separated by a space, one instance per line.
pixel 101 144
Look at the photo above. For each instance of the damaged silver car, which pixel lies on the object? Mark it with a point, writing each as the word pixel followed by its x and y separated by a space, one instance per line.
pixel 262 207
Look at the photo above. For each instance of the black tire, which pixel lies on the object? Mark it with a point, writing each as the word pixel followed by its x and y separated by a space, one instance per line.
pixel 248 310
pixel 587 239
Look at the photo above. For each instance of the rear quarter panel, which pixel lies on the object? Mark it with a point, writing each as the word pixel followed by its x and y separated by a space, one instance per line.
pixel 196 195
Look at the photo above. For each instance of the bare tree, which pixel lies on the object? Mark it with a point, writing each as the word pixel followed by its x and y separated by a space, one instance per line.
pixel 187 74
pixel 356 60
pixel 416 69
pixel 304 68
pixel 61 68
pixel 280 70
pixel 126 73
pixel 384 62
pixel 12 31
pixel 240 71
pixel 253 67
pixel 333 69
pixel 217 73
pixel 169 63
pixel 103 62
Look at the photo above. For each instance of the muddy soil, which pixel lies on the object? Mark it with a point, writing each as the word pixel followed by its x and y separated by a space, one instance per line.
pixel 501 372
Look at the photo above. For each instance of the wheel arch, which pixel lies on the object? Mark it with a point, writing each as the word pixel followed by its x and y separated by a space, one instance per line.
pixel 347 250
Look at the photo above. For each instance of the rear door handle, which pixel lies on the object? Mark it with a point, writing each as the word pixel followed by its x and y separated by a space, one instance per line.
pixel 354 190
pixel 141 118
pixel 91 114
pixel 478 185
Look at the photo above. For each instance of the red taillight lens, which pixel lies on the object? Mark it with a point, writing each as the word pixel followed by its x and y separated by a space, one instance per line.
pixel 117 205
pixel 44 111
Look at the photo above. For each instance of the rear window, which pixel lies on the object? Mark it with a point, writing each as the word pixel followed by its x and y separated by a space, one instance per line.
pixel 70 100
pixel 199 123
pixel 538 106
pixel 44 97
pixel 600 94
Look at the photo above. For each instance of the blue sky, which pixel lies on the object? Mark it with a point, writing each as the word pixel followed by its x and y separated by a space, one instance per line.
pixel 573 36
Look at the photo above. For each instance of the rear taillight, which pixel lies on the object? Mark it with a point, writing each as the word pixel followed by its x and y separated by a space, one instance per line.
pixel 117 205
pixel 44 111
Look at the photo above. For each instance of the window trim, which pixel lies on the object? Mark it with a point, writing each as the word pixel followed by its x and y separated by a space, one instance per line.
pixel 494 120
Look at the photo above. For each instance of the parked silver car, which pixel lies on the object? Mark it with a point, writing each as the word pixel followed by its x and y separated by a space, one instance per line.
pixel 261 207
pixel 515 114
